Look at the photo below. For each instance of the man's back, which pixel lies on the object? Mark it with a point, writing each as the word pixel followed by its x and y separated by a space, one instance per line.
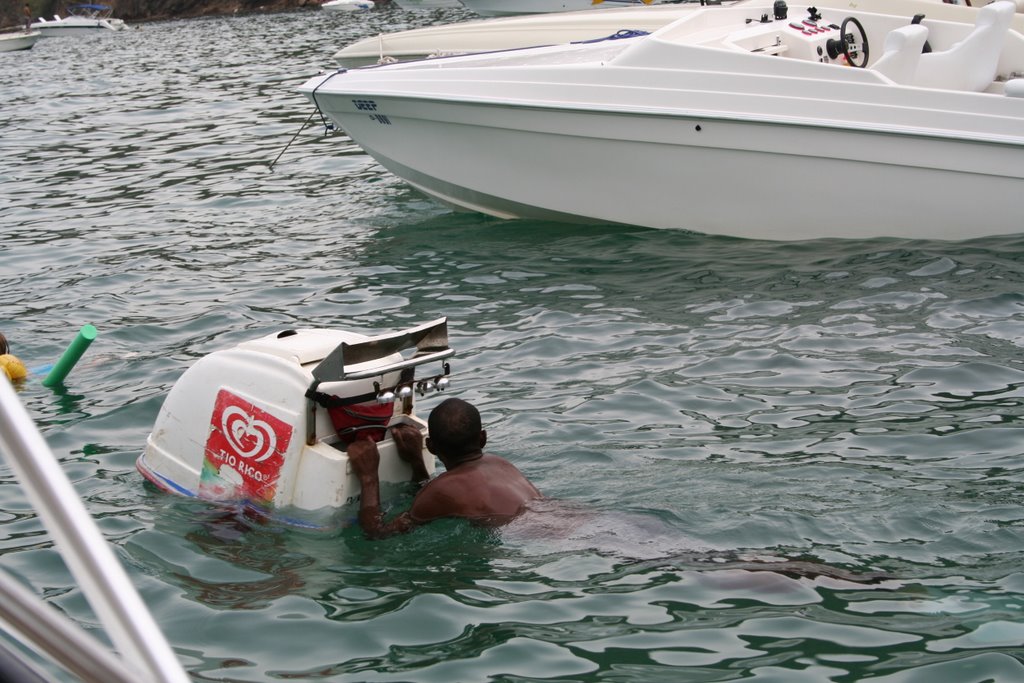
pixel 489 490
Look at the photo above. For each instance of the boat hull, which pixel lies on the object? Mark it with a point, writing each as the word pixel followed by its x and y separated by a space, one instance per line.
pixel 348 5
pixel 427 4
pixel 12 42
pixel 76 26
pixel 698 172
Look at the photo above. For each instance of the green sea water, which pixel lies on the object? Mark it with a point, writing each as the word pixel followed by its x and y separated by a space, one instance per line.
pixel 763 461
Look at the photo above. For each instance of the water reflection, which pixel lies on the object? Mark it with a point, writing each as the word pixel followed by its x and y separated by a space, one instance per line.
pixel 766 461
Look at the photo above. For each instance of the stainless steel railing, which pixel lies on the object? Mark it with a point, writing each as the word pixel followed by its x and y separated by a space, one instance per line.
pixel 145 654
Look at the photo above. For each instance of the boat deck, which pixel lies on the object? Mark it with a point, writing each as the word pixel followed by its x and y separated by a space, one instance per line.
pixel 812 36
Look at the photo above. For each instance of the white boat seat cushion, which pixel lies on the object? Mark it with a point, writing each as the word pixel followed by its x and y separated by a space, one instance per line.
pixel 970 64
pixel 902 53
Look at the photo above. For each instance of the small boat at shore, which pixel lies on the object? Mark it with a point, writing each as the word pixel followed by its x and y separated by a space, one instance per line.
pixel 265 425
pixel 427 4
pixel 347 5
pixel 18 40
pixel 81 20
pixel 757 120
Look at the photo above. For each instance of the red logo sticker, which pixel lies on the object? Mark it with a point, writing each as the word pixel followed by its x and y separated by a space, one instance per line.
pixel 245 450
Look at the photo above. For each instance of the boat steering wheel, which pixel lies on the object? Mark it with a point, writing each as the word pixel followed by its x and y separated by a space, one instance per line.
pixel 847 46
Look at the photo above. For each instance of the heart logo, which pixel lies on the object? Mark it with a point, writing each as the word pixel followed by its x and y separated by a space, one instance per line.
pixel 248 436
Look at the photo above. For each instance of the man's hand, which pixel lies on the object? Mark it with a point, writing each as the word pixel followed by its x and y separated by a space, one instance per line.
pixel 364 458
pixel 408 441
pixel 409 444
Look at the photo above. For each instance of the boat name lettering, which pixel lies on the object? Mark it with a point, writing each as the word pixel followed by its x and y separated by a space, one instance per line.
pixel 241 466
pixel 365 105
pixel 381 119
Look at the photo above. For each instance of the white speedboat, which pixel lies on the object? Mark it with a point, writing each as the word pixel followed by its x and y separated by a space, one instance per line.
pixel 81 20
pixel 506 33
pixel 514 32
pixel 427 4
pixel 347 5
pixel 266 424
pixel 18 40
pixel 504 8
pixel 748 121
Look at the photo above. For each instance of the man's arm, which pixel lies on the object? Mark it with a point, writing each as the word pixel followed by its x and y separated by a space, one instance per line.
pixel 365 460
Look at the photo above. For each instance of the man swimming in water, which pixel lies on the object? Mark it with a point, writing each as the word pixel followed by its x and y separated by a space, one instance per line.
pixel 477 486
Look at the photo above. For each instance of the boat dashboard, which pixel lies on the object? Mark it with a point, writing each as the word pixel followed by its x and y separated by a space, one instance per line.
pixel 800 32
pixel 801 38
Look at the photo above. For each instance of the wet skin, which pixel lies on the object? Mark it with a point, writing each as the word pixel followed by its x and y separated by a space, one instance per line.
pixel 483 488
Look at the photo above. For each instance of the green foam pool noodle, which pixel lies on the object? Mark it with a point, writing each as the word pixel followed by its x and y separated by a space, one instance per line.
pixel 70 356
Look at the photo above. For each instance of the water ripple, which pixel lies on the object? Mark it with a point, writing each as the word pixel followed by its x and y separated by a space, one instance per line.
pixel 769 461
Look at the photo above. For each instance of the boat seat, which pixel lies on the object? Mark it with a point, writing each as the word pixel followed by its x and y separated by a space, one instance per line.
pixel 971 63
pixel 902 53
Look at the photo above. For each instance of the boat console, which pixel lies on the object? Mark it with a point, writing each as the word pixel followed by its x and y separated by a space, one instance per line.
pixel 959 56
pixel 809 38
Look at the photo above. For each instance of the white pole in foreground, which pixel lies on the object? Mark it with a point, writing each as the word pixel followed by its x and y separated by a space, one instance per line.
pixel 91 560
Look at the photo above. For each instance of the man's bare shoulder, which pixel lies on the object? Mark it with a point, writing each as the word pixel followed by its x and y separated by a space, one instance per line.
pixel 489 489
pixel 503 474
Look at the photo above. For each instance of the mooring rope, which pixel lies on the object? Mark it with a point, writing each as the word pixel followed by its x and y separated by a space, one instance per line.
pixel 311 115
pixel 327 127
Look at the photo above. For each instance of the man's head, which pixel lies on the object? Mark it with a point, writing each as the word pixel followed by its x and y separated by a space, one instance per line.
pixel 455 430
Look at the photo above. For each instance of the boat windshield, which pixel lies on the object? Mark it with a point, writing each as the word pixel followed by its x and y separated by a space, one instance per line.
pixel 89 10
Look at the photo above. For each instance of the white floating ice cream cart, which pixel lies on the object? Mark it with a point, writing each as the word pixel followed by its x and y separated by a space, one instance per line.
pixel 266 424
